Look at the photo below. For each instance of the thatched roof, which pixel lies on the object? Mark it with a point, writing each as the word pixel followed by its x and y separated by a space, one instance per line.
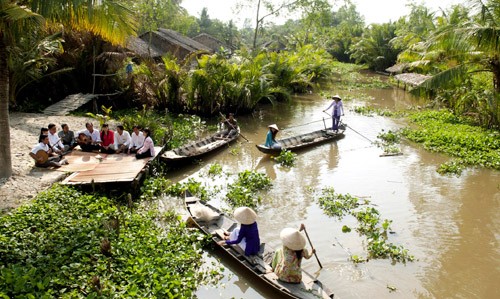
pixel 413 79
pixel 157 43
pixel 210 41
pixel 181 40
pixel 397 68
pixel 140 47
pixel 274 45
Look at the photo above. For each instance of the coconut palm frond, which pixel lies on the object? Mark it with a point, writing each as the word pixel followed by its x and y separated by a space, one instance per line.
pixel 443 79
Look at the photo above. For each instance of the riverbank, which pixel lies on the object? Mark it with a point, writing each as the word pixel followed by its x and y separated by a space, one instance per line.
pixel 27 180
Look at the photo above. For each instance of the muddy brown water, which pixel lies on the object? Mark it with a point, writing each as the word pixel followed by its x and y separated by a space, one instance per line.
pixel 450 224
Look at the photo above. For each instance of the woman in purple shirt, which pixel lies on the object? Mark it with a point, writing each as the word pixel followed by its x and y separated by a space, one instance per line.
pixel 337 111
pixel 247 235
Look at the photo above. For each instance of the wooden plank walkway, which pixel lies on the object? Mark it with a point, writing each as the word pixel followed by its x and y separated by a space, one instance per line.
pixel 70 103
pixel 113 168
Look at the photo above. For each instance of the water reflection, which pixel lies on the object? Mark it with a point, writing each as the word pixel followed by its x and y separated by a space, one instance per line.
pixel 450 224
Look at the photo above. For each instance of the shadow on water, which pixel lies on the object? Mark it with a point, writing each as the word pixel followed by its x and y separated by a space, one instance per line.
pixel 448 223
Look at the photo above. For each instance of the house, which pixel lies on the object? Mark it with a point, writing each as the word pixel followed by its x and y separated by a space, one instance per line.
pixel 211 42
pixel 162 41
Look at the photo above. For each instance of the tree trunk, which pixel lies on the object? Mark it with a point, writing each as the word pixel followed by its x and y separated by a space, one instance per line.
pixel 257 23
pixel 5 156
pixel 495 68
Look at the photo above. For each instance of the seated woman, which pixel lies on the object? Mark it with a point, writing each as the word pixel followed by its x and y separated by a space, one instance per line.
pixel 148 148
pixel 247 235
pixel 287 260
pixel 107 140
pixel 271 137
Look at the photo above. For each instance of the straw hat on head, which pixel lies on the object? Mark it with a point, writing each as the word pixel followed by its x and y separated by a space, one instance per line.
pixel 337 97
pixel 293 239
pixel 245 215
pixel 274 126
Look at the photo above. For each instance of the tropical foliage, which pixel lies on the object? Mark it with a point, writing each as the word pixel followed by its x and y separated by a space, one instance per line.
pixel 68 244
pixel 441 131
pixel 19 21
pixel 370 225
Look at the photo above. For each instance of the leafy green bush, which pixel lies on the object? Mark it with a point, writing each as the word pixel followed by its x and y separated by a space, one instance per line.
pixel 243 191
pixel 215 169
pixel 286 158
pixel 253 180
pixel 443 132
pixel 166 129
pixel 369 225
pixel 71 245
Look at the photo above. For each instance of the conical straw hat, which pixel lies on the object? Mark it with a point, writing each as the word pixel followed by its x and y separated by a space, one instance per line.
pixel 245 215
pixel 274 126
pixel 336 97
pixel 293 239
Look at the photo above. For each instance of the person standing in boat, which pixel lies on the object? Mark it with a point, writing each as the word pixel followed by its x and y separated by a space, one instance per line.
pixel 287 260
pixel 247 235
pixel 337 111
pixel 230 126
pixel 271 137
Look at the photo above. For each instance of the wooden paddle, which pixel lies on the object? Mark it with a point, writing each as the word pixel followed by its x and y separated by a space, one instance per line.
pixel 303 227
pixel 225 119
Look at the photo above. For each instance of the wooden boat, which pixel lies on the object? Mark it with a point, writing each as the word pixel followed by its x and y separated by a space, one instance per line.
pixel 197 149
pixel 303 140
pixel 257 266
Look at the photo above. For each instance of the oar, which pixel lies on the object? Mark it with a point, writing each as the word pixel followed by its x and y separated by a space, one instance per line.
pixel 225 119
pixel 312 247
pixel 352 129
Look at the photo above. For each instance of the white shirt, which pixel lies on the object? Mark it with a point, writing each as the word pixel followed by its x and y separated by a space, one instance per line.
pixel 123 139
pixel 40 147
pixel 95 136
pixel 55 142
pixel 148 146
pixel 137 140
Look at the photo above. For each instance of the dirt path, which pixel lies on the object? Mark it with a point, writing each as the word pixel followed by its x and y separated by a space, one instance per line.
pixel 27 180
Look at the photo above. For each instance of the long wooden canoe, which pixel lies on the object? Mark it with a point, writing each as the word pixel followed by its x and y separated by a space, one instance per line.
pixel 197 149
pixel 257 266
pixel 303 140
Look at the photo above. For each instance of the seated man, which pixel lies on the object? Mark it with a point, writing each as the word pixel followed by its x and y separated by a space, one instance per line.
pixel 230 127
pixel 47 158
pixel 93 140
pixel 122 140
pixel 137 140
pixel 54 140
pixel 107 140
pixel 67 137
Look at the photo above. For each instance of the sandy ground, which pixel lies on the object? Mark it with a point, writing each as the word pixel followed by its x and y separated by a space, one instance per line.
pixel 27 180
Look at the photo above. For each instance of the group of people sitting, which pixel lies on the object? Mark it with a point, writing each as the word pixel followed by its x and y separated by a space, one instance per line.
pixel 287 260
pixel 54 145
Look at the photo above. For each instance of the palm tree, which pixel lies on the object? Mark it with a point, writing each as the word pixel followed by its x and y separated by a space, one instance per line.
pixel 106 18
pixel 468 48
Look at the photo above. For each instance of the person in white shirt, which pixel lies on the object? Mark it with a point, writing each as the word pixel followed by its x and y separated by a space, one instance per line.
pixel 148 148
pixel 54 140
pixel 137 140
pixel 43 145
pixel 94 139
pixel 122 140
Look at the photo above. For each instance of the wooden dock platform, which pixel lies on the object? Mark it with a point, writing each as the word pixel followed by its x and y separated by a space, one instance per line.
pixel 68 104
pixel 88 169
